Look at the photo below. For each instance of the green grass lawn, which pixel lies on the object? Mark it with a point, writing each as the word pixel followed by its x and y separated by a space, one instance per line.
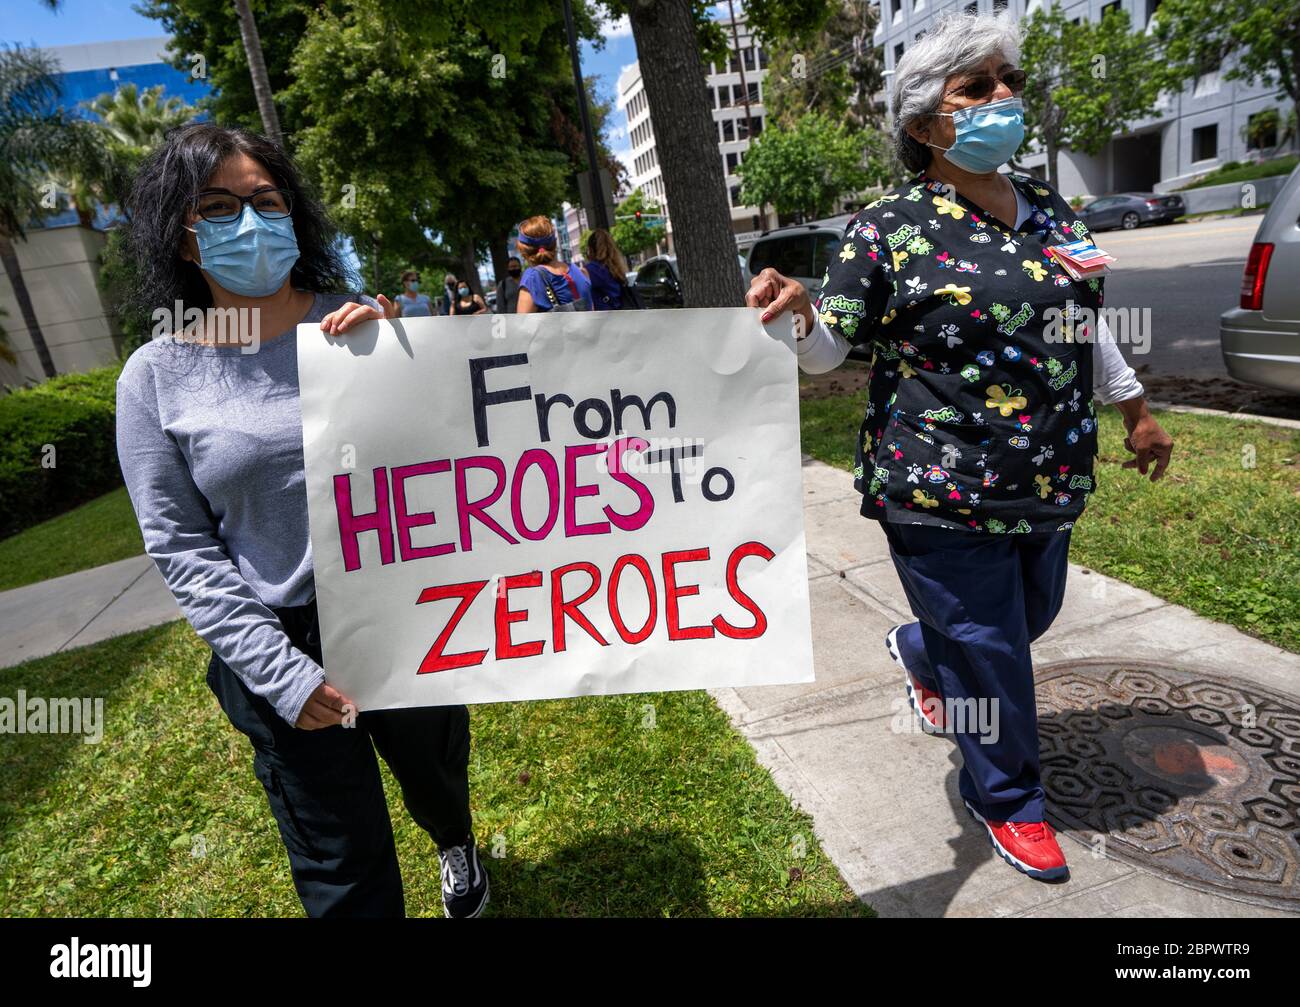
pixel 593 813
pixel 1237 172
pixel 1220 534
pixel 98 532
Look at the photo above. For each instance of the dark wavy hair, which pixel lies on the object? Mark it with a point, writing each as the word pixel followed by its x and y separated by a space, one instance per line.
pixel 164 190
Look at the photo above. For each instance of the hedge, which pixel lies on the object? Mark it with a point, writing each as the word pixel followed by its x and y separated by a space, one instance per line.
pixel 75 414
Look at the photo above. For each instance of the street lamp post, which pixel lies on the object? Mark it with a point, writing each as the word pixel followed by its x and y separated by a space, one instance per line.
pixel 599 217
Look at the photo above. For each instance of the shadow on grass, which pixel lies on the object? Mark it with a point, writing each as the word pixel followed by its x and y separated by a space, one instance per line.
pixel 646 873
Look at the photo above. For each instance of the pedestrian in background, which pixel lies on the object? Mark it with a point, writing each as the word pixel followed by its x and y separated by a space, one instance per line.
pixel 449 285
pixel 607 270
pixel 467 302
pixel 508 288
pixel 410 302
pixel 548 284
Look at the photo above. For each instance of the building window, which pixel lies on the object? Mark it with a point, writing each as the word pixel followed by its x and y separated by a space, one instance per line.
pixel 999 5
pixel 898 53
pixel 1106 8
pixel 762 58
pixel 1262 135
pixel 973 8
pixel 749 59
pixel 1205 143
pixel 742 128
pixel 728 130
pixel 735 195
pixel 896 9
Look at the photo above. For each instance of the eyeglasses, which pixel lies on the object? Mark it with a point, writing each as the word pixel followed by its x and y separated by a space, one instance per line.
pixel 221 206
pixel 982 86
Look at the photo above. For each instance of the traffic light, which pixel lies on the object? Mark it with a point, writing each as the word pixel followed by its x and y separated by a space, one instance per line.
pixel 638 216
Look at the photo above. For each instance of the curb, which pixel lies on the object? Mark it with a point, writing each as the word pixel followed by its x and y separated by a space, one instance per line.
pixel 1276 421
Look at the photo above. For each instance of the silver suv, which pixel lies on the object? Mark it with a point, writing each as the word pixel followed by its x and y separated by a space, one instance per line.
pixel 1261 337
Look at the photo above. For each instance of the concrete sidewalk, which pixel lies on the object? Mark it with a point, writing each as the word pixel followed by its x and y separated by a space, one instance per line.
pixel 82 608
pixel 884 802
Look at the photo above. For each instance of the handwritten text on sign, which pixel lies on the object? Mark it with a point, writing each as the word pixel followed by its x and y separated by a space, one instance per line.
pixel 525 507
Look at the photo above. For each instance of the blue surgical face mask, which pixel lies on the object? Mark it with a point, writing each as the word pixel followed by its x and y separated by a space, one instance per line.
pixel 986 135
pixel 413 285
pixel 250 256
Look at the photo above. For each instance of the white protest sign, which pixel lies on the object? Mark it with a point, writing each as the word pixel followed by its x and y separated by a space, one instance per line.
pixel 510 507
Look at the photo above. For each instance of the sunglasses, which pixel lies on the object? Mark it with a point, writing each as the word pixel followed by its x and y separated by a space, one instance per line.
pixel 982 86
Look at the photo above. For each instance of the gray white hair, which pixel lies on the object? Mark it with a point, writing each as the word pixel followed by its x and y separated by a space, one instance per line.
pixel 955 43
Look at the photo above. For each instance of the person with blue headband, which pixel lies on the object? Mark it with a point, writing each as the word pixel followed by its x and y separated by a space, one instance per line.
pixel 548 284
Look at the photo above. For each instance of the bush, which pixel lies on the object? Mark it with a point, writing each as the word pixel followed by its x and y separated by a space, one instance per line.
pixel 75 416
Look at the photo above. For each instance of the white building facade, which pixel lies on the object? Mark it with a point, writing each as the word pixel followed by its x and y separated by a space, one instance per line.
pixel 735 95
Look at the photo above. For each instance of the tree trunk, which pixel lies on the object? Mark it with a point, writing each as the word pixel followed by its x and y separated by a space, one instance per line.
pixel 9 256
pixel 469 268
pixel 257 70
pixel 500 255
pixel 687 141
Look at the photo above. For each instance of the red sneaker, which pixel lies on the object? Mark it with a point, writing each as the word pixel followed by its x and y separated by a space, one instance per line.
pixel 926 703
pixel 1029 847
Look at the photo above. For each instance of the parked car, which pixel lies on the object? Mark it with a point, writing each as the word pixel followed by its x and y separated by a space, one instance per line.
pixel 1260 337
pixel 801 252
pixel 1132 209
pixel 659 284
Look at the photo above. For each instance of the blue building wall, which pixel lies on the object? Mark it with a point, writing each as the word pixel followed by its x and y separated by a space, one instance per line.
pixel 81 86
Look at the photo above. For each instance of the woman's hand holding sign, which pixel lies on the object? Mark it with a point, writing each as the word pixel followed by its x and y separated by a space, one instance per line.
pixel 778 294
pixel 338 322
pixel 325 707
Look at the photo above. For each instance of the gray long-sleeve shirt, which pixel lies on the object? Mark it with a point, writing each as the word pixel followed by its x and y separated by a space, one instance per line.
pixel 210 443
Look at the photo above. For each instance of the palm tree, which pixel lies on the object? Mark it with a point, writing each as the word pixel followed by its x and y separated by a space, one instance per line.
pixel 257 70
pixel 138 120
pixel 36 138
pixel 131 124
pixel 6 351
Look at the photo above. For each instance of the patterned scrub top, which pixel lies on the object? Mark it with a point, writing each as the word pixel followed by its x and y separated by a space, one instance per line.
pixel 979 400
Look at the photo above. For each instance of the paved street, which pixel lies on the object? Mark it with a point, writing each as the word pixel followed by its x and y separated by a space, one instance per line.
pixel 1188 274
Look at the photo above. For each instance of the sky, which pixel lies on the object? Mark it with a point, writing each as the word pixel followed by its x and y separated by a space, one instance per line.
pixel 29 22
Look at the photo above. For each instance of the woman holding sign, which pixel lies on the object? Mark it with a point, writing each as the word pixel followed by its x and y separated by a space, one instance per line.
pixel 976 451
pixel 234 254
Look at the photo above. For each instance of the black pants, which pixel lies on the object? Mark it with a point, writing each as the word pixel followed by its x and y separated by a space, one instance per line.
pixel 326 793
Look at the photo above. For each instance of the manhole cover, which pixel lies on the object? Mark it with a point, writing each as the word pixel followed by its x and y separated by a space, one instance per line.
pixel 1187 774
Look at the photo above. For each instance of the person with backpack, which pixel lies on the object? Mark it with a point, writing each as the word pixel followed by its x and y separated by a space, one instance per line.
pixel 607 270
pixel 547 283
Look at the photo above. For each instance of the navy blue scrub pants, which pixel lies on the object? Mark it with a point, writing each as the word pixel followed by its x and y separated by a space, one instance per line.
pixel 980 601
pixel 326 793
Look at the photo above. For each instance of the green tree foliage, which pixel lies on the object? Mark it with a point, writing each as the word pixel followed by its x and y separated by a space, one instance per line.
pixel 809 167
pixel 837 72
pixel 636 236
pixel 1087 81
pixel 1259 39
